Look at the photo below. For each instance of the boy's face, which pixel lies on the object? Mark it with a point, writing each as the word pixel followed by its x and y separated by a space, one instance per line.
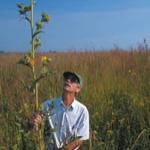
pixel 71 85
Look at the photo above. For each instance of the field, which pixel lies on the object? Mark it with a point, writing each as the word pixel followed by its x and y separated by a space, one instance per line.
pixel 116 92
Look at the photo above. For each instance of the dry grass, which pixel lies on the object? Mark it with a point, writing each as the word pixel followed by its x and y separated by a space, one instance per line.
pixel 116 92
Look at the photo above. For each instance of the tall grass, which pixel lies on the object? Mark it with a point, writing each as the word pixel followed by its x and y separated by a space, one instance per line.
pixel 116 92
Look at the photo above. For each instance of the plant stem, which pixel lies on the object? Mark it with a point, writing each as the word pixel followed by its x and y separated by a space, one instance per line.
pixel 33 55
pixel 32 29
pixel 39 138
pixel 137 139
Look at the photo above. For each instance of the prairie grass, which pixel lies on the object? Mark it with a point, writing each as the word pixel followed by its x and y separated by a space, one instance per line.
pixel 116 91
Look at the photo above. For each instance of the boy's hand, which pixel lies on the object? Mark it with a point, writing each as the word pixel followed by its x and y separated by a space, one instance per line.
pixel 36 120
pixel 72 145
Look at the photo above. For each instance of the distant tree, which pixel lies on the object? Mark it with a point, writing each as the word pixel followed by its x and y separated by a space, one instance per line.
pixel 2 52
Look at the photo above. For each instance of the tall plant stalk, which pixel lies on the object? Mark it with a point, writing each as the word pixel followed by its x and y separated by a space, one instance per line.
pixel 33 55
pixel 29 59
pixel 27 12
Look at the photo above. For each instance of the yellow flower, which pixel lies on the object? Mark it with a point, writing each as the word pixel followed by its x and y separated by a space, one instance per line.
pixel 44 58
pixel 32 62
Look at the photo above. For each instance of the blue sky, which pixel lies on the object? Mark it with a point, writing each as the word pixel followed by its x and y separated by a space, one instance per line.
pixel 78 24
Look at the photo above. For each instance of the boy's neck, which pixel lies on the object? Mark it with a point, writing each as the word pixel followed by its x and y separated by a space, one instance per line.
pixel 68 98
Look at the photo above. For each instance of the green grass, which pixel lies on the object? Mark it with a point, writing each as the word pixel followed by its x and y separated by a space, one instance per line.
pixel 116 93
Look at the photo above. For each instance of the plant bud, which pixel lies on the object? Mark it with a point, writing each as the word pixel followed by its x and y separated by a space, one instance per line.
pixel 21 11
pixel 37 42
pixel 27 8
pixel 45 17
pixel 20 6
pixel 27 59
pixel 39 25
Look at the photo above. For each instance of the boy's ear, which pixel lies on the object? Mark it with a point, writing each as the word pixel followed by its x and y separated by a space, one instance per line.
pixel 78 90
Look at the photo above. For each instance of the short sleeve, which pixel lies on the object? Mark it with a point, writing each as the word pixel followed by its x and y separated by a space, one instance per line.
pixel 46 104
pixel 83 126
